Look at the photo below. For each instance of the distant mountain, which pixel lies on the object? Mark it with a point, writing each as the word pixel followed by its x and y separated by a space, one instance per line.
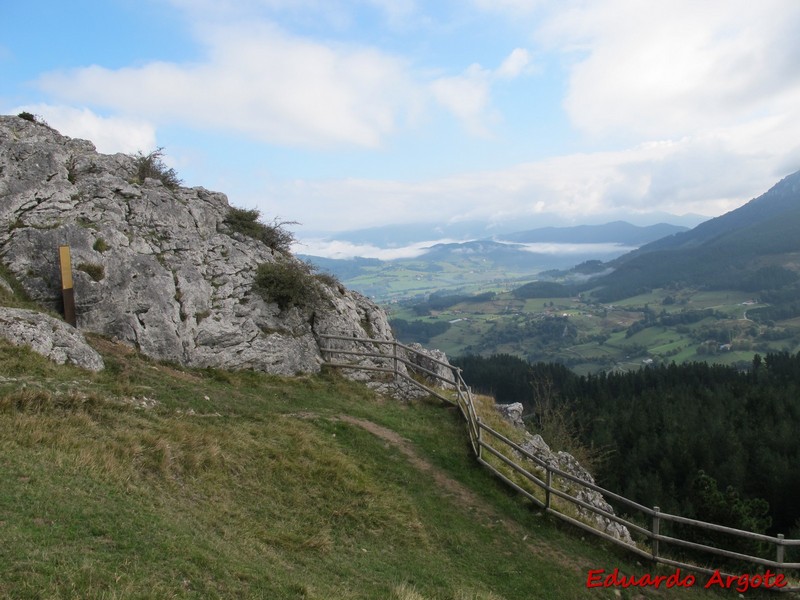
pixel 619 232
pixel 527 230
pixel 405 234
pixel 747 248
pixel 473 266
pixel 782 200
pixel 502 254
pixel 344 269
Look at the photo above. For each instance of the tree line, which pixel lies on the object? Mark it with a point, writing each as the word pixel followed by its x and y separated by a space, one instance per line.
pixel 707 441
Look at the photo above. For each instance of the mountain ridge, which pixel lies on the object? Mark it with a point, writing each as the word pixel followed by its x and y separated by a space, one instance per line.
pixel 726 251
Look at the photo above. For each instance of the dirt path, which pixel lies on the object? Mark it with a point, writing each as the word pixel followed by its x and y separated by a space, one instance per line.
pixel 451 487
pixel 464 497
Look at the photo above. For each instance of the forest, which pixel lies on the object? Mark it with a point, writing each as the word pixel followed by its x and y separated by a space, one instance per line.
pixel 706 441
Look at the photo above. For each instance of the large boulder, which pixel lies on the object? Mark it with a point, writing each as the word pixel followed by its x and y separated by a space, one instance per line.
pixel 155 266
pixel 512 413
pixel 48 336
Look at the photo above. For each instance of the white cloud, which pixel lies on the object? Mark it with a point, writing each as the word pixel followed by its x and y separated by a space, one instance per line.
pixel 693 175
pixel 673 68
pixel 468 96
pixel 263 83
pixel 397 11
pixel 515 64
pixel 514 7
pixel 337 13
pixel 108 134
pixel 343 250
pixel 567 249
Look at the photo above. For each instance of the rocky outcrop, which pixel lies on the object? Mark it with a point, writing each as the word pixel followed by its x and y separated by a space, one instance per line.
pixel 512 413
pixel 567 463
pixel 535 445
pixel 433 365
pixel 153 266
pixel 48 336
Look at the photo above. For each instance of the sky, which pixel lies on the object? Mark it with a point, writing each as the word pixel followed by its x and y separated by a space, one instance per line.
pixel 348 114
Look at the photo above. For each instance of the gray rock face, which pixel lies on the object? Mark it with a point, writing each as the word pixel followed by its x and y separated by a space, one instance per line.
pixel 50 337
pixel 432 361
pixel 535 445
pixel 512 413
pixel 154 267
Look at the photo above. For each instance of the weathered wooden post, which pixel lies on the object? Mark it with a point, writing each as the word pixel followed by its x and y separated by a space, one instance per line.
pixel 67 291
pixel 548 487
pixel 480 438
pixel 394 352
pixel 656 531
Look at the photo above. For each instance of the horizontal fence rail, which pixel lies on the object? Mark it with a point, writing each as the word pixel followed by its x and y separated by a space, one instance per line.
pixel 532 473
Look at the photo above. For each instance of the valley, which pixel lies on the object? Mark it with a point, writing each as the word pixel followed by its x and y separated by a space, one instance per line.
pixel 658 327
pixel 720 292
pixel 476 264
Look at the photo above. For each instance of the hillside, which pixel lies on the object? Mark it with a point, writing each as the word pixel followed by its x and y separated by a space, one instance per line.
pixel 777 202
pixel 617 232
pixel 729 252
pixel 721 292
pixel 146 480
pixel 133 477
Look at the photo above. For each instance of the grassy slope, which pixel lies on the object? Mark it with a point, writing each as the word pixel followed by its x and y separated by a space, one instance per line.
pixel 152 481
pixel 244 485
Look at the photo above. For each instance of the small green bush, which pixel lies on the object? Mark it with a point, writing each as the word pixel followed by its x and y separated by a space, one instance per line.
pixel 100 245
pixel 93 270
pixel 152 165
pixel 38 119
pixel 248 222
pixel 330 280
pixel 287 283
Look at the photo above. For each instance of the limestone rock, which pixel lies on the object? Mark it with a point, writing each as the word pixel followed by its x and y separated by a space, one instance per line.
pixel 512 413
pixel 432 361
pixel 50 337
pixel 155 267
pixel 535 445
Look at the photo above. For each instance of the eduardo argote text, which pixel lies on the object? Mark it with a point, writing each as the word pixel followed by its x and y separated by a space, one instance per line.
pixel 600 578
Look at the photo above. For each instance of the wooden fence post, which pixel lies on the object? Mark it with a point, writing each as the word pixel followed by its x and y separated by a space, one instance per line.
pixel 547 489
pixel 394 352
pixel 480 435
pixel 67 291
pixel 656 531
pixel 781 549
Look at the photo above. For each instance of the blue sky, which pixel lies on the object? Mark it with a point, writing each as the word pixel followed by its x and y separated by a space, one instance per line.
pixel 343 114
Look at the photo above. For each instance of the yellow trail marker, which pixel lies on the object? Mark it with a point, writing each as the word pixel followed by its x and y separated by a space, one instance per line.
pixel 67 292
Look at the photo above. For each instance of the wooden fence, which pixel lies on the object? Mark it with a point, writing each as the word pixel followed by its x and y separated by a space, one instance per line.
pixel 647 525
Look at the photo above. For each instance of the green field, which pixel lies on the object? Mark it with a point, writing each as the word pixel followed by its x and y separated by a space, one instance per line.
pixel 606 336
pixel 405 280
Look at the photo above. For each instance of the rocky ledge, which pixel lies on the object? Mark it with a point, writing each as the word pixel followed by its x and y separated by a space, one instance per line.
pixel 156 267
